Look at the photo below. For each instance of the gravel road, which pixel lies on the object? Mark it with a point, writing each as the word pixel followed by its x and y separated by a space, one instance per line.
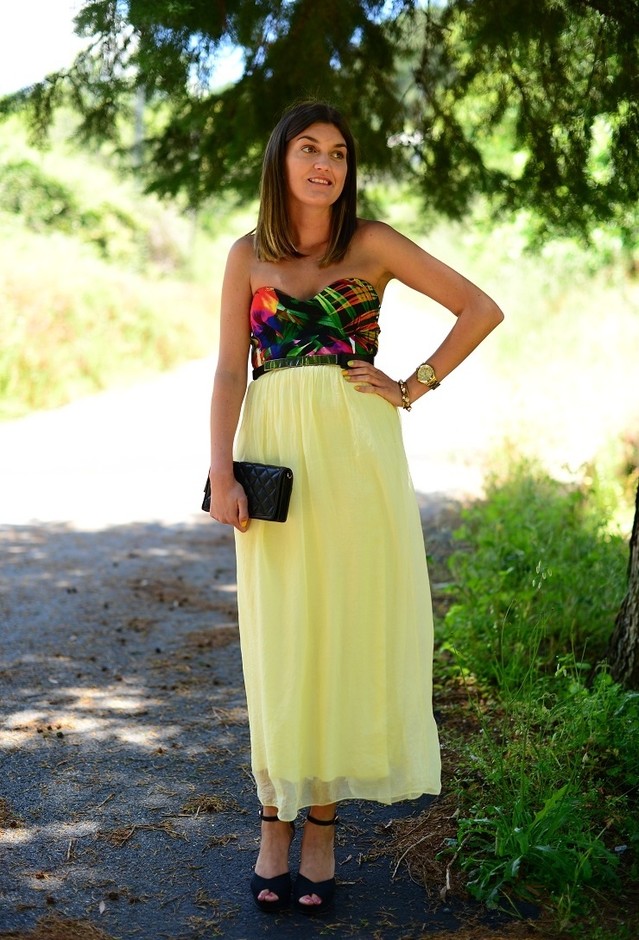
pixel 126 804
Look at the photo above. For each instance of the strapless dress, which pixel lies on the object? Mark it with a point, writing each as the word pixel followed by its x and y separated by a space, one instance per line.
pixel 334 604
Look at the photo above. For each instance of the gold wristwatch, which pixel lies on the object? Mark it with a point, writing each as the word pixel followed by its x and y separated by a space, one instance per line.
pixel 426 375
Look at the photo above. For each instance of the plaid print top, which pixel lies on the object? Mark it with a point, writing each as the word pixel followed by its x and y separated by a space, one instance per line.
pixel 341 318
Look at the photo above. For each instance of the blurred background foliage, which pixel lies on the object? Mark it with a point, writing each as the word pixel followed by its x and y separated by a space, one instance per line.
pixel 100 284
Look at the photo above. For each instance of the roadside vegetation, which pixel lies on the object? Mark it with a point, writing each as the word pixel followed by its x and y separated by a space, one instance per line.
pixel 100 284
pixel 541 795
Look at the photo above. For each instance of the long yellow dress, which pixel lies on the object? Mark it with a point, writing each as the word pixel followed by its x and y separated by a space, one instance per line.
pixel 334 604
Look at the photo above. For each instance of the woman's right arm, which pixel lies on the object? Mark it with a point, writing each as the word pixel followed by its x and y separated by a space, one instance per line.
pixel 228 500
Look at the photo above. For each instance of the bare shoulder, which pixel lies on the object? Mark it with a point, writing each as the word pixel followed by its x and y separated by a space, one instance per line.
pixel 375 245
pixel 239 264
pixel 236 286
pixel 377 238
pixel 242 251
pixel 405 260
pixel 372 230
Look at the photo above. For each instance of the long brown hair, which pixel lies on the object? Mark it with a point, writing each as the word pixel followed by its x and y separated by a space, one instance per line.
pixel 273 238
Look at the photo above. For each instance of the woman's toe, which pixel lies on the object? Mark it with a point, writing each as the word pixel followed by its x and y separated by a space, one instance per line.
pixel 267 896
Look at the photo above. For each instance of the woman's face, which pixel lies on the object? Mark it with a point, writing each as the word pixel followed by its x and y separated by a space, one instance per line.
pixel 316 165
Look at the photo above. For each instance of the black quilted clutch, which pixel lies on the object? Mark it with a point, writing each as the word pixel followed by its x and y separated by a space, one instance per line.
pixel 267 488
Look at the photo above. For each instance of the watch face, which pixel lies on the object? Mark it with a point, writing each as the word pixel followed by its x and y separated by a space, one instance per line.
pixel 426 374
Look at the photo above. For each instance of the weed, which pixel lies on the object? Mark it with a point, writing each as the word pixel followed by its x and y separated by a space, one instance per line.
pixel 547 788
pixel 544 577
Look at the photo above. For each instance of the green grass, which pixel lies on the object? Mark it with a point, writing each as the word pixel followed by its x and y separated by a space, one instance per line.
pixel 548 789
pixel 73 324
pixel 553 792
pixel 545 577
pixel 99 284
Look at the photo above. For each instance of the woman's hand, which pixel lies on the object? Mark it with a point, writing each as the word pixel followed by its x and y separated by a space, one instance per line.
pixel 228 502
pixel 366 378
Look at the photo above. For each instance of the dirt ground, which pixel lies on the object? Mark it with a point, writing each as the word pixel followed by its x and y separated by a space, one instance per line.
pixel 127 809
pixel 127 800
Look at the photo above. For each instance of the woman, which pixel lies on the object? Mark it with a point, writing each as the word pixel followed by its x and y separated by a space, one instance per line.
pixel 334 604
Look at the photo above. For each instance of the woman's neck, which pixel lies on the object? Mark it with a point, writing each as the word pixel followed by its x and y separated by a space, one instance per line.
pixel 310 230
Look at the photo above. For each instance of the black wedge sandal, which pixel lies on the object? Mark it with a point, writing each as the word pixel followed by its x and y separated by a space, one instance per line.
pixel 325 890
pixel 280 885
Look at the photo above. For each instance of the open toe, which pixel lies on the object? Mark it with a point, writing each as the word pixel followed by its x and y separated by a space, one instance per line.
pixel 280 885
pixel 305 888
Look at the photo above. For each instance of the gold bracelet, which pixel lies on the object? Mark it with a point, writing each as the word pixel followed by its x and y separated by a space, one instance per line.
pixel 403 390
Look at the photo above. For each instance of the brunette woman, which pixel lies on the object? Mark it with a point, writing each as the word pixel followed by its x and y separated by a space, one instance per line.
pixel 334 604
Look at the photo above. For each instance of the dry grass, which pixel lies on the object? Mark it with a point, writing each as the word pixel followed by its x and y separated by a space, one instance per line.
pixel 226 717
pixel 214 638
pixel 73 324
pixel 204 927
pixel 119 837
pixel 518 930
pixel 418 843
pixel 216 842
pixel 8 819
pixel 202 899
pixel 210 803
pixel 53 927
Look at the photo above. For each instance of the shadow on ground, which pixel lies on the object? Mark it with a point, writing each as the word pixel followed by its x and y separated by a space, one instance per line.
pixel 126 799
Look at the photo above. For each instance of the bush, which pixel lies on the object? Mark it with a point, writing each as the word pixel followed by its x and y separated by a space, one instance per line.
pixel 72 324
pixel 544 578
pixel 47 205
pixel 551 796
pixel 548 790
pixel 43 202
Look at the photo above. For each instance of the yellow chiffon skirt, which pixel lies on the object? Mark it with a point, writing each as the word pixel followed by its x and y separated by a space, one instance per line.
pixel 334 604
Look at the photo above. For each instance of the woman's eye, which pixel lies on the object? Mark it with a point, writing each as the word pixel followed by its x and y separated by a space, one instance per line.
pixel 336 154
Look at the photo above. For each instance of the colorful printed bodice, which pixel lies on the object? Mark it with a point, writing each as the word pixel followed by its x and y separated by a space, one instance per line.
pixel 341 318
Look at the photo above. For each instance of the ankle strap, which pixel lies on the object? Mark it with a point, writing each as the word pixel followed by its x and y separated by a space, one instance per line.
pixel 264 818
pixel 322 822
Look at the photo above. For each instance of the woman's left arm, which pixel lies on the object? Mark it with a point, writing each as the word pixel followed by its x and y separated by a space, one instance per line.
pixel 476 313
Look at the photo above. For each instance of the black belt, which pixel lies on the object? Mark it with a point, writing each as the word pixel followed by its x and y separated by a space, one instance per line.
pixel 327 359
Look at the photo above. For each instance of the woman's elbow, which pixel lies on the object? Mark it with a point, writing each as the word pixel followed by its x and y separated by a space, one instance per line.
pixel 493 313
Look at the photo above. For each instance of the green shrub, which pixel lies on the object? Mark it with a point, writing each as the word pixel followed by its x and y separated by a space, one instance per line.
pixel 544 577
pixel 42 201
pixel 46 204
pixel 548 791
pixel 72 324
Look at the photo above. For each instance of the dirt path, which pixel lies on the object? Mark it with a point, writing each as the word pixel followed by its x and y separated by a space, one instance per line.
pixel 126 801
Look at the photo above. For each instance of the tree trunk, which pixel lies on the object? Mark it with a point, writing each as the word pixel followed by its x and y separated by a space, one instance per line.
pixel 623 652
